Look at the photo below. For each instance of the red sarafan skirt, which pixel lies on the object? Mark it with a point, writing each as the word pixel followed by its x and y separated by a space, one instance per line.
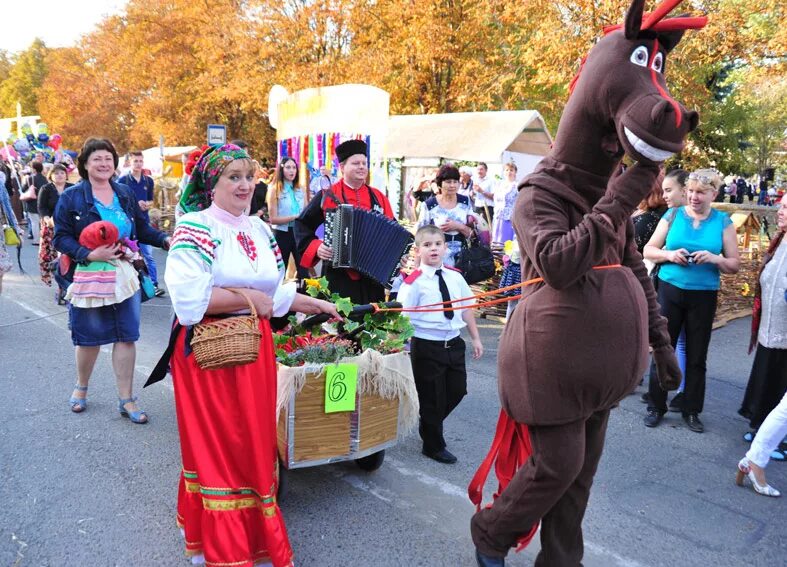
pixel 227 494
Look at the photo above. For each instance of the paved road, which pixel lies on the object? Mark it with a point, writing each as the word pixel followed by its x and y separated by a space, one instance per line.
pixel 92 489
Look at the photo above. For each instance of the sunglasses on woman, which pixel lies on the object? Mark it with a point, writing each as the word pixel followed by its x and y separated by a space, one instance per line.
pixel 704 179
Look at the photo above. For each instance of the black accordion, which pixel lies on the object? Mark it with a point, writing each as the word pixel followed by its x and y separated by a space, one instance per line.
pixel 367 242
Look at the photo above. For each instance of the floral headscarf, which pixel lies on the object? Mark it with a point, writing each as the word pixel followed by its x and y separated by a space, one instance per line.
pixel 198 193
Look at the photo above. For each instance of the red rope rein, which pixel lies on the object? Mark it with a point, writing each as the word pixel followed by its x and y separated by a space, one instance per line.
pixel 440 306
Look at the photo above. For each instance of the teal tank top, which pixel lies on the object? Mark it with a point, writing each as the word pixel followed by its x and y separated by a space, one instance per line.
pixel 707 236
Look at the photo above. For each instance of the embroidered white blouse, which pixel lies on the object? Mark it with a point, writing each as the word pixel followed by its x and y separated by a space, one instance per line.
pixel 773 281
pixel 213 248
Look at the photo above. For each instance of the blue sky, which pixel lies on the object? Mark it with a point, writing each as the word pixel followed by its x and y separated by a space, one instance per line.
pixel 59 23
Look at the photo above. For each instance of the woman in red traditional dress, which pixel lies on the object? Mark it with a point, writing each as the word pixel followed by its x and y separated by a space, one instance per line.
pixel 227 417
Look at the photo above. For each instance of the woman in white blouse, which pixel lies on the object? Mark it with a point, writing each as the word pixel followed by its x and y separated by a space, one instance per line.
pixel 505 196
pixel 451 212
pixel 768 378
pixel 227 417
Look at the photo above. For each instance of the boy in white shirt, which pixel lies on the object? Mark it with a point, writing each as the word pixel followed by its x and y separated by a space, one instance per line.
pixel 437 352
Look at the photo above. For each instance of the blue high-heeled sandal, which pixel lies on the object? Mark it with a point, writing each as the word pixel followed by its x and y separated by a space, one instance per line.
pixel 78 405
pixel 134 416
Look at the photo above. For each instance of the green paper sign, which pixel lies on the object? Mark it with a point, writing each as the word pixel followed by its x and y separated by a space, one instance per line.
pixel 341 382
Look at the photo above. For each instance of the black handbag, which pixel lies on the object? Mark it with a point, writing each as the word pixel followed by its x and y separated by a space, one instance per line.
pixel 475 261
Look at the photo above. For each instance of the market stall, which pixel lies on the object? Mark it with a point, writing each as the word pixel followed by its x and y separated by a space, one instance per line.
pixel 425 141
pixel 311 123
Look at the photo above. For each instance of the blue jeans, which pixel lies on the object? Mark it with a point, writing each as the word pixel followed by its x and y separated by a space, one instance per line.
pixel 147 253
pixel 680 354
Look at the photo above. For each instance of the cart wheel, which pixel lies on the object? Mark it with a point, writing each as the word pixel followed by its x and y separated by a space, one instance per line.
pixel 284 482
pixel 372 462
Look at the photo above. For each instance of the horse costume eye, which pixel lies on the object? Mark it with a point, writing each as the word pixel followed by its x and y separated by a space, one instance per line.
pixel 640 56
pixel 658 63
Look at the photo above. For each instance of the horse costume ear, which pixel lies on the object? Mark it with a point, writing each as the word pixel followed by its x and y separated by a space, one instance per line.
pixel 670 39
pixel 634 19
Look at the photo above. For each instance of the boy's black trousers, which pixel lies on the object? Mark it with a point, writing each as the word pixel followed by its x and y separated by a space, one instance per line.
pixel 441 381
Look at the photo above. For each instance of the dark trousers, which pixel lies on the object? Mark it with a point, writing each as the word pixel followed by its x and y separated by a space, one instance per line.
pixel 361 291
pixel 554 487
pixel 695 310
pixel 441 381
pixel 286 241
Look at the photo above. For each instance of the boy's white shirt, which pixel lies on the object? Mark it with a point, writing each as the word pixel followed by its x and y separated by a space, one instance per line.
pixel 425 290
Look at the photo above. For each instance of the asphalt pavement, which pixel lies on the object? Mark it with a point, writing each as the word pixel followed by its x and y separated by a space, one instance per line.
pixel 95 490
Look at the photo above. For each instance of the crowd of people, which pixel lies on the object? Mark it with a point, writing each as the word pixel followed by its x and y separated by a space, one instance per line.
pixel 231 247
pixel 738 188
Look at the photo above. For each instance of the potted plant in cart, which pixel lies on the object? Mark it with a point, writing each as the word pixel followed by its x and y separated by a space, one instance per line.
pixel 362 362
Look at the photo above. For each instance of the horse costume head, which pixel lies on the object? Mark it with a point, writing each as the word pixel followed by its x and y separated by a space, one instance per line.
pixel 619 101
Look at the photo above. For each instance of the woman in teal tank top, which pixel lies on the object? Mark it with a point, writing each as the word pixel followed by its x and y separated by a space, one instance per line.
pixel 694 244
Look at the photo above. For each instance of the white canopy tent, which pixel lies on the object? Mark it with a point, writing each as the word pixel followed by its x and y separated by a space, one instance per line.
pixel 153 157
pixel 468 136
pixel 422 142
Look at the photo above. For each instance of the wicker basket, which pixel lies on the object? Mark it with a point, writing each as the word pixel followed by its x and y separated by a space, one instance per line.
pixel 227 342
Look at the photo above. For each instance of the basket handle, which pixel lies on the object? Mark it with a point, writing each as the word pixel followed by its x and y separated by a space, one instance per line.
pixel 246 297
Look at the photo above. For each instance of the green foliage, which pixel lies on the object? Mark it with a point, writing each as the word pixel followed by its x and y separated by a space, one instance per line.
pixel 23 80
pixel 322 353
pixel 383 331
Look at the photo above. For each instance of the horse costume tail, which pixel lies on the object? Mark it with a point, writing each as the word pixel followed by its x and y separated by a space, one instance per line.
pixel 510 450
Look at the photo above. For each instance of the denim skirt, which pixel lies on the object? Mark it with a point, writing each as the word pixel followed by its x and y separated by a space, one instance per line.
pixel 96 326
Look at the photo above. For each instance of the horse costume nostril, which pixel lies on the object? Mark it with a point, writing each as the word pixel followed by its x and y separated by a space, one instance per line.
pixel 659 112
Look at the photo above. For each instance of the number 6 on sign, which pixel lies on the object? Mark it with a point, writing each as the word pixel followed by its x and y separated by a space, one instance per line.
pixel 341 382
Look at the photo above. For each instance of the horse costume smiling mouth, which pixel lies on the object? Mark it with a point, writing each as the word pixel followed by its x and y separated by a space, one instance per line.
pixel 577 343
pixel 620 94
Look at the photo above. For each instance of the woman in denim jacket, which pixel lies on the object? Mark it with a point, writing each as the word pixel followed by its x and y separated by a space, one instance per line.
pixel 93 199
pixel 7 218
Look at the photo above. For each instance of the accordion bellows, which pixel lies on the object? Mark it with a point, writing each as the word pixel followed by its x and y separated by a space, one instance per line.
pixel 367 242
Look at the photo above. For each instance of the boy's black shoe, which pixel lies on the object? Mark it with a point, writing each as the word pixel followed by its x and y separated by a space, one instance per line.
pixel 489 561
pixel 653 418
pixel 159 292
pixel 645 398
pixel 694 423
pixel 442 456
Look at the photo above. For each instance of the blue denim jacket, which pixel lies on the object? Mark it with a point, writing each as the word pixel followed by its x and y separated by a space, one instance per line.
pixel 76 209
pixel 8 211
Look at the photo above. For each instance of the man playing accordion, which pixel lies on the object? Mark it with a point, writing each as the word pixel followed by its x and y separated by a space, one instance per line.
pixel 351 189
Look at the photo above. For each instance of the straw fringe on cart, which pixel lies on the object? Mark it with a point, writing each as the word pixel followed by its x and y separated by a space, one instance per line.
pixel 386 408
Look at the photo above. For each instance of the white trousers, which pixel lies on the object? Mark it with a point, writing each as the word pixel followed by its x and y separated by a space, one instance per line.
pixel 769 435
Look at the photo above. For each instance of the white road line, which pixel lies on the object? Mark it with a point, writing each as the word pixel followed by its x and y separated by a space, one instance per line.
pixel 444 487
pixel 619 559
pixel 141 368
pixel 379 492
pixel 367 485
pixel 37 312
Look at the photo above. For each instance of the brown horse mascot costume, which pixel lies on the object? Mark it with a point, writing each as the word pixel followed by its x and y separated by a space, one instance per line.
pixel 578 341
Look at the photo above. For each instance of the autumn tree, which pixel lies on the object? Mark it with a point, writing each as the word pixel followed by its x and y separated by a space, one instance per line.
pixel 23 80
pixel 169 67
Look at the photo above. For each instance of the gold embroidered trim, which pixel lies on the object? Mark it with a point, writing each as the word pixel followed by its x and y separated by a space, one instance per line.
pixel 192 486
pixel 224 505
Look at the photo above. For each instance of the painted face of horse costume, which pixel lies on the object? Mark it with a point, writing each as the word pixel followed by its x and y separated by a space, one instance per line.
pixel 578 342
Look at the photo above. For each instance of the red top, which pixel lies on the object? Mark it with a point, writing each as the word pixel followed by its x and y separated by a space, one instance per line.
pixel 360 198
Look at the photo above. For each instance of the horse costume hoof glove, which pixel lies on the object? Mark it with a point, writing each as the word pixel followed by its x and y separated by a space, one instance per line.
pixel 667 368
pixel 595 294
